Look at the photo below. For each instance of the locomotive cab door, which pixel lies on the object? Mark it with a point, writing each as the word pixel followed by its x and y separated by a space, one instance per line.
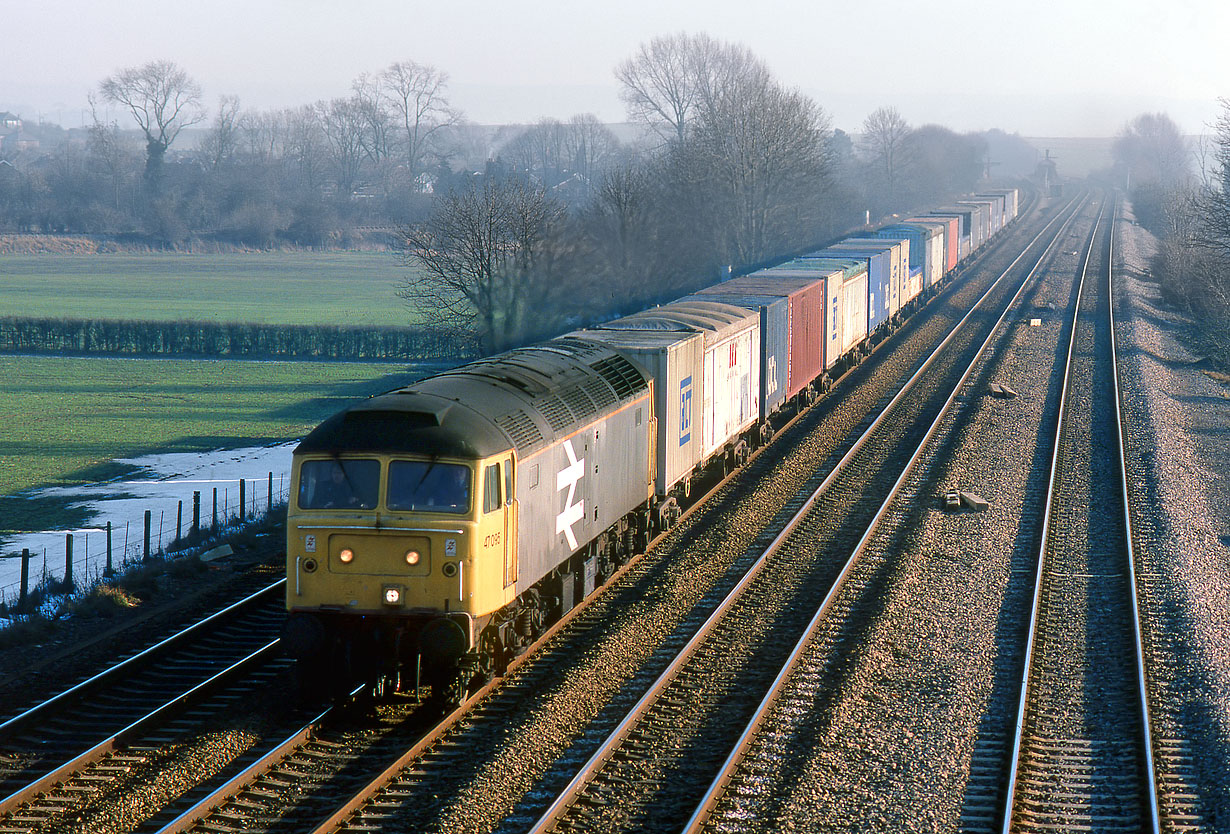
pixel 511 515
pixel 498 529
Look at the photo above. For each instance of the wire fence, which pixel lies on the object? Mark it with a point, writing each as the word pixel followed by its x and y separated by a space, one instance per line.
pixel 87 557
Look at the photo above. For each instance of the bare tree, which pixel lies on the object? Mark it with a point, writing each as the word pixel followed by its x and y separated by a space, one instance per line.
pixel 661 85
pixel 620 219
pixel 264 134
pixel 417 95
pixel 763 150
pixel 540 151
pixel 222 141
pixel 485 265
pixel 163 100
pixel 1153 150
pixel 671 79
pixel 306 146
pixel 345 128
pixel 588 146
pixel 115 157
pixel 885 132
pixel 369 98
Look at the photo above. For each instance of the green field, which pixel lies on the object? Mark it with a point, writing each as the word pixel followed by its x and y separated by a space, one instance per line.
pixel 64 419
pixel 341 288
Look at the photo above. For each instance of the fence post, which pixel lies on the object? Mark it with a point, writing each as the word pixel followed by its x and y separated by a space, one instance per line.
pixel 196 512
pixel 110 569
pixel 243 508
pixel 25 579
pixel 269 506
pixel 214 526
pixel 145 554
pixel 179 522
pixel 68 560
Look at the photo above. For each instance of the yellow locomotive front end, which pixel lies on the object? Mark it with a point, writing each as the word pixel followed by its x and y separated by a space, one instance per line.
pixel 395 558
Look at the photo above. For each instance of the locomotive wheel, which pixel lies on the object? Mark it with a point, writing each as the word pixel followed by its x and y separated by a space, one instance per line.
pixel 383 687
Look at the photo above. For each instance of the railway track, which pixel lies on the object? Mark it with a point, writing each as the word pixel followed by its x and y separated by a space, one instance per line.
pixel 58 756
pixel 1082 754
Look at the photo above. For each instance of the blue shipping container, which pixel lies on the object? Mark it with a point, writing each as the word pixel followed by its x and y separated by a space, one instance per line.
pixel 879 278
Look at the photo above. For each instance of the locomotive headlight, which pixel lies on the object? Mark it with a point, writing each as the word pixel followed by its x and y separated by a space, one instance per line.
pixel 346 556
pixel 412 557
pixel 392 595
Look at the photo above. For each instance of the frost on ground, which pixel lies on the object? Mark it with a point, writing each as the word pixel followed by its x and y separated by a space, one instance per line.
pixel 162 481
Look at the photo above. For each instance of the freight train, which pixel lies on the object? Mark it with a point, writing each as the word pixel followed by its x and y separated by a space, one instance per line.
pixel 435 531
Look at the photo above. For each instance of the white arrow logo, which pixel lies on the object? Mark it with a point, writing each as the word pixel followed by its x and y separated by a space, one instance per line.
pixel 568 477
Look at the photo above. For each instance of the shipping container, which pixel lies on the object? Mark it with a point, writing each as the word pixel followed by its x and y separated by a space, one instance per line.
pixel 845 305
pixel 730 380
pixel 900 260
pixel 985 211
pixel 965 217
pixel 1010 198
pixel 774 337
pixel 806 295
pixel 879 279
pixel 926 250
pixel 998 209
pixel 915 240
pixel 950 232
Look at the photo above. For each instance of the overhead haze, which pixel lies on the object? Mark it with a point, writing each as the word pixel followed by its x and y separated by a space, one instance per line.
pixel 1047 68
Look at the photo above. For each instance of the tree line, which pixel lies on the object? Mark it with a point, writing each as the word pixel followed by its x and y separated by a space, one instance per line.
pixel 1187 206
pixel 227 341
pixel 509 234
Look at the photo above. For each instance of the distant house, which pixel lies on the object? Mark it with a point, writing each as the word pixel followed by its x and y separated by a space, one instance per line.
pixel 11 139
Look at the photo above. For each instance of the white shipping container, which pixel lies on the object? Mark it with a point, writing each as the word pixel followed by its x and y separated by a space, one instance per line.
pixel 730 387
pixel 853 305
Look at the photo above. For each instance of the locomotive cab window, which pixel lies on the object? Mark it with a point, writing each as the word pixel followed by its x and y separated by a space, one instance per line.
pixel 429 486
pixel 491 489
pixel 339 484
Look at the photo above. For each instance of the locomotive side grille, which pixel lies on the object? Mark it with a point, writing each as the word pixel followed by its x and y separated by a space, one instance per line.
pixel 520 428
pixel 621 374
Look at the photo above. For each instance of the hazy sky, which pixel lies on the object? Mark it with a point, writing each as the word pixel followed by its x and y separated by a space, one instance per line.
pixel 1040 68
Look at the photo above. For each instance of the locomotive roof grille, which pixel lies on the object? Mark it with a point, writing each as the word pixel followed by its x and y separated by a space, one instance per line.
pixel 579 401
pixel 600 392
pixel 557 414
pixel 621 375
pixel 520 428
